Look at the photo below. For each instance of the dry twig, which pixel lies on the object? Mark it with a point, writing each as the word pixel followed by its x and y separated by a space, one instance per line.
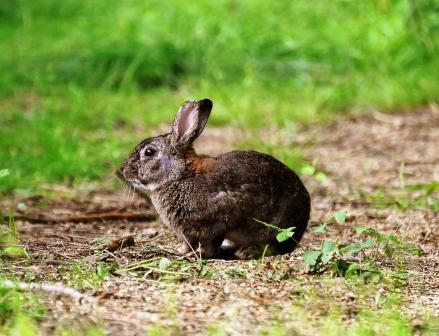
pixel 119 244
pixel 56 289
pixel 87 217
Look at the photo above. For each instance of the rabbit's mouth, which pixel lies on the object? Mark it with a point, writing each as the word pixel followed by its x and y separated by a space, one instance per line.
pixel 134 181
pixel 139 185
pixel 130 181
pixel 143 185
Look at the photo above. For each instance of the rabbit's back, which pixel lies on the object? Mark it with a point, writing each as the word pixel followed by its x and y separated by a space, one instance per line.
pixel 272 192
pixel 238 187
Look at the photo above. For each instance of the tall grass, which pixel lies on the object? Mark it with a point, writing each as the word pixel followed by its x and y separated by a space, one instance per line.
pixel 72 70
pixel 352 45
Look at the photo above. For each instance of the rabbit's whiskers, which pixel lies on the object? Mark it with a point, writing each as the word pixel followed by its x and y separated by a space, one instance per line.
pixel 133 195
pixel 129 193
pixel 125 191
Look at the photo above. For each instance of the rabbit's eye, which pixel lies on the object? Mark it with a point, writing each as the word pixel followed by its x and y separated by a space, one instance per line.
pixel 149 151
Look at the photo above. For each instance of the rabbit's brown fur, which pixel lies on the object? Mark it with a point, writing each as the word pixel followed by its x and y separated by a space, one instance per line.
pixel 212 203
pixel 200 164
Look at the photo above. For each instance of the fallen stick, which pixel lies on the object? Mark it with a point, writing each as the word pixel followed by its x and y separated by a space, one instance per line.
pixel 361 203
pixel 56 289
pixel 119 244
pixel 87 217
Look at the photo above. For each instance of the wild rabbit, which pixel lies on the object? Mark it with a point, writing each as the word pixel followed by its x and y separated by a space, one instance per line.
pixel 213 203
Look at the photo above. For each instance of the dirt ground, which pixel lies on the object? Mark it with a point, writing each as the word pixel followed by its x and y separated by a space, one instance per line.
pixel 359 155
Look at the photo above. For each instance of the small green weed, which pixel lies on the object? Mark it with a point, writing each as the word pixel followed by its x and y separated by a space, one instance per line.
pixel 339 217
pixel 10 247
pixel 83 275
pixel 235 272
pixel 283 234
pixel 165 269
pixel 310 169
pixel 334 257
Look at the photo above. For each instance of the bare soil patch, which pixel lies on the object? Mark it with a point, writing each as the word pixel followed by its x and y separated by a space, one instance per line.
pixel 360 156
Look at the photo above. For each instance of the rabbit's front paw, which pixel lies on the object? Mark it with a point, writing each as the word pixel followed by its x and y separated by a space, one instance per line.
pixel 248 252
pixel 184 249
pixel 209 250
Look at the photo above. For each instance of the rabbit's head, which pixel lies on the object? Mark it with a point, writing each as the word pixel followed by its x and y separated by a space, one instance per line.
pixel 161 159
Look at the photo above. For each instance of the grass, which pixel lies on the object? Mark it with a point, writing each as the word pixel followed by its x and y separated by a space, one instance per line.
pixel 21 312
pixel 81 274
pixel 85 81
pixel 18 312
pixel 10 247
pixel 411 196
pixel 374 309
pixel 384 321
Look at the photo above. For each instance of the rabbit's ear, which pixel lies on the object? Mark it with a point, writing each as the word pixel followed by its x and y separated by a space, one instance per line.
pixel 190 121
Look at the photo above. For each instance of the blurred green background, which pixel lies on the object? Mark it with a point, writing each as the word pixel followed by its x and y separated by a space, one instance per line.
pixel 81 82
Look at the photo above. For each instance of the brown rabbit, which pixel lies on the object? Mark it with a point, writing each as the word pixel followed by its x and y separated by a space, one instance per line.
pixel 212 203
